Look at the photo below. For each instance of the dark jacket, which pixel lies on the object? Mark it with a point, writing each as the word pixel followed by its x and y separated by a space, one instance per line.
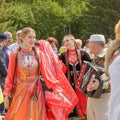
pixel 7 54
pixel 3 68
pixel 74 70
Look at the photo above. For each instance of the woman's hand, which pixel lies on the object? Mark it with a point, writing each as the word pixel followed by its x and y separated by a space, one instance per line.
pixel 6 102
pixel 60 95
pixel 60 65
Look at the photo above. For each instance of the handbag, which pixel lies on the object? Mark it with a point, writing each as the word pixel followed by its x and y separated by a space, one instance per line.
pixel 44 86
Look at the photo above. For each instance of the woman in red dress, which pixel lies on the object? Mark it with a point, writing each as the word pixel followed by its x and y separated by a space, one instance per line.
pixel 73 59
pixel 28 101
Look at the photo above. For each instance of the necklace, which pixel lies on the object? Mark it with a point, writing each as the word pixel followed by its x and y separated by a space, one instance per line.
pixel 28 61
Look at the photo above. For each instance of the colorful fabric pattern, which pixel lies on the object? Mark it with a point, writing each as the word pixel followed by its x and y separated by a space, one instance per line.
pixel 28 104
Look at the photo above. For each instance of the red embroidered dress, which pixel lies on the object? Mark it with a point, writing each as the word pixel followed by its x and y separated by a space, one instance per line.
pixel 28 101
pixel 71 58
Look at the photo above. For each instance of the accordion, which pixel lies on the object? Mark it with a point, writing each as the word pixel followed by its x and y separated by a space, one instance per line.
pixel 88 71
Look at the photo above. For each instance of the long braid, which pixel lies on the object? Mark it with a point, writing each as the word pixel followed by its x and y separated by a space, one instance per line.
pixel 16 57
pixel 36 55
pixel 78 54
pixel 18 49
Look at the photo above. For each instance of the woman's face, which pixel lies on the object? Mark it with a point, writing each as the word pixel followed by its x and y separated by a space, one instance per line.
pixel 68 43
pixel 29 39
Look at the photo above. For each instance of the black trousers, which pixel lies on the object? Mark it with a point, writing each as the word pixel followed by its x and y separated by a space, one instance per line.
pixel 73 113
pixel 1 107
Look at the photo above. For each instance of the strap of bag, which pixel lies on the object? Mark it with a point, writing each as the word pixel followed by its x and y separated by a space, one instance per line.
pixel 13 82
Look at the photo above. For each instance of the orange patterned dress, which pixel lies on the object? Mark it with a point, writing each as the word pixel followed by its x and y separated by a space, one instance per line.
pixel 28 101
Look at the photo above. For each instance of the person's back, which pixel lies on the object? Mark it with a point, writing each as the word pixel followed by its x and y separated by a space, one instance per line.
pixel 6 51
pixel 13 47
pixel 3 69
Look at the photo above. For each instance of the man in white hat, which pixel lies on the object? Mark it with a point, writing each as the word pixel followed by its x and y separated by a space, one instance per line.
pixel 98 88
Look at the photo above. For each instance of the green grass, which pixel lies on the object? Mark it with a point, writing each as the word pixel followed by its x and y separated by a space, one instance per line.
pixel 77 118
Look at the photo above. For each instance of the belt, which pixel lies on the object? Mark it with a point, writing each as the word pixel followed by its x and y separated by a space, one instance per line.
pixel 106 91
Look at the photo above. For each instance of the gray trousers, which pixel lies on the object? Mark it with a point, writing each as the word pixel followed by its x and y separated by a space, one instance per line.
pixel 97 108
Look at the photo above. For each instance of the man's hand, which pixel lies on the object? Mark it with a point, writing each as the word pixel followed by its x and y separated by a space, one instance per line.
pixel 93 85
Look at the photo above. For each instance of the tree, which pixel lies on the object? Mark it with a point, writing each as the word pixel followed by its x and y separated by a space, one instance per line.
pixel 48 18
pixel 54 18
pixel 14 16
pixel 5 16
pixel 100 16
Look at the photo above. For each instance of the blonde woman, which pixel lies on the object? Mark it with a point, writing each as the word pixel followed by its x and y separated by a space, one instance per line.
pixel 73 59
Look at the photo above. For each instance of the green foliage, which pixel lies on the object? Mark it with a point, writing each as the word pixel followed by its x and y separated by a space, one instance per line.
pixel 59 17
pixel 5 16
pixel 48 18
pixel 14 17
pixel 23 16
pixel 99 17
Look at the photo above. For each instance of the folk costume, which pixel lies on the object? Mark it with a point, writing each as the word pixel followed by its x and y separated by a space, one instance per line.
pixel 99 93
pixel 29 100
pixel 98 100
pixel 73 60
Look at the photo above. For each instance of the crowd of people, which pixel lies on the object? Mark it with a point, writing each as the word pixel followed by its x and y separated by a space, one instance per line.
pixel 38 81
